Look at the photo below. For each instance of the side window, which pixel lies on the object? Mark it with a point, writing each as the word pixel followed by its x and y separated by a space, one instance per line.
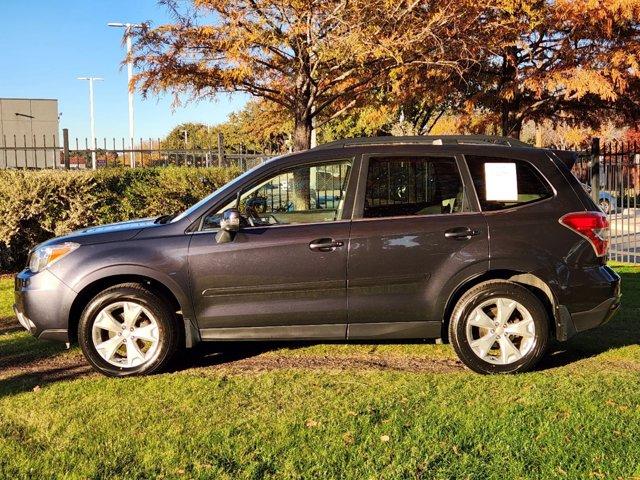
pixel 504 183
pixel 404 186
pixel 306 194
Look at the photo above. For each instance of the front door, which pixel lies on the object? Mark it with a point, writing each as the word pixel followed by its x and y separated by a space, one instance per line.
pixel 283 275
pixel 416 232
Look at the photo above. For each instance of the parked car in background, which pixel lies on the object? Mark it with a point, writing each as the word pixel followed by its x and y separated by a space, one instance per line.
pixel 481 241
pixel 608 203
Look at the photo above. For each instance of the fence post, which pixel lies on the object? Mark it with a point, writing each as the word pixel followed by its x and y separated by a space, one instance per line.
pixel 65 147
pixel 595 169
pixel 220 149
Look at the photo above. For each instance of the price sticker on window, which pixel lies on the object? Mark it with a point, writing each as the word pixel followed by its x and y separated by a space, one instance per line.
pixel 501 182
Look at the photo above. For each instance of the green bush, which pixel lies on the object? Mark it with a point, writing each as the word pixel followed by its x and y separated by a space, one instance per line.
pixel 37 205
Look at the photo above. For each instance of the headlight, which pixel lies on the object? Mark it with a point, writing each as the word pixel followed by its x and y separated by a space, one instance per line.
pixel 42 257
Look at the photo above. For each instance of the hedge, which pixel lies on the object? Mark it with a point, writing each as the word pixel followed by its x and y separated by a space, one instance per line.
pixel 37 205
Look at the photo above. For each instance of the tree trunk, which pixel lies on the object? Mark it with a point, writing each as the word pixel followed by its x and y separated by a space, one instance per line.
pixel 302 134
pixel 301 192
pixel 509 125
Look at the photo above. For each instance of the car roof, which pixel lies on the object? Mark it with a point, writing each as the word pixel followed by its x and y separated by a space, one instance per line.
pixel 448 145
pixel 425 140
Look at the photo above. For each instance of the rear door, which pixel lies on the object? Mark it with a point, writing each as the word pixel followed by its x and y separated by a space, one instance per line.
pixel 416 231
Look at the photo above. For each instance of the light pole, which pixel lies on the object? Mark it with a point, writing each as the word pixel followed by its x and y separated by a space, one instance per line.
pixel 186 143
pixel 127 35
pixel 94 164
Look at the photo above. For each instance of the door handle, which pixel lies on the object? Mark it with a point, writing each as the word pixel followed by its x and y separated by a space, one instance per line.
pixel 461 233
pixel 325 245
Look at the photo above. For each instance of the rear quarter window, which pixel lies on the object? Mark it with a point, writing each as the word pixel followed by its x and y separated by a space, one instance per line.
pixel 520 182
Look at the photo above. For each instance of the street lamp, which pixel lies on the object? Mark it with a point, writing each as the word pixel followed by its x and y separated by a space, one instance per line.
pixel 186 145
pixel 94 164
pixel 127 35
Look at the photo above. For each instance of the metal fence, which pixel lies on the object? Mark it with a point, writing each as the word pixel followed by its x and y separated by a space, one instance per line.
pixel 49 152
pixel 613 173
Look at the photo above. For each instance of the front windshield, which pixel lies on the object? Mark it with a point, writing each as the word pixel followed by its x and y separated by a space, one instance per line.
pixel 206 199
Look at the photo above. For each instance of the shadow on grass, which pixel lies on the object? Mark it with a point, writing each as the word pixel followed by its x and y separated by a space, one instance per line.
pixel 8 325
pixel 30 380
pixel 21 350
pixel 210 354
pixel 26 362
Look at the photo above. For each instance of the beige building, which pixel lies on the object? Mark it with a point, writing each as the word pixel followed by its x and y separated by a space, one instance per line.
pixel 28 132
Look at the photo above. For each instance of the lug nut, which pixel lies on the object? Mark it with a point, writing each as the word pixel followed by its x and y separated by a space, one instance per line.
pixel 131 329
pixel 492 331
pixel 119 334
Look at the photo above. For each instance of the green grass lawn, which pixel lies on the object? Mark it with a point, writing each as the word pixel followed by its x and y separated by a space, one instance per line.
pixel 283 416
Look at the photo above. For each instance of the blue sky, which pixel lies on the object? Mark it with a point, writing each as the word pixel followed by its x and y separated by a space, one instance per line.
pixel 47 44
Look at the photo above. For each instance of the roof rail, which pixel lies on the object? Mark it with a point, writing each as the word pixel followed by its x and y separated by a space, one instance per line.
pixel 427 140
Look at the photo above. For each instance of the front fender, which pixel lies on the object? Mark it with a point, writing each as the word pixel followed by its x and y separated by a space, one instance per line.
pixel 162 259
pixel 139 270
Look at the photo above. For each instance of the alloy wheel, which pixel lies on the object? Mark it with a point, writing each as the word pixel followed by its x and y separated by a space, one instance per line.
pixel 500 331
pixel 125 334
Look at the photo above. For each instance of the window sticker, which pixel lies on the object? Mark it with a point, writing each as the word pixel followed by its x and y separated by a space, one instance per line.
pixel 501 182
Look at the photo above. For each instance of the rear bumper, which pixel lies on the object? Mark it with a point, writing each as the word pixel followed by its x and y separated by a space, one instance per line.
pixel 596 316
pixel 608 288
pixel 42 303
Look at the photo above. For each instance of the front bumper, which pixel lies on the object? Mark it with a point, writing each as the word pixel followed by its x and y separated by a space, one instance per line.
pixel 42 305
pixel 27 324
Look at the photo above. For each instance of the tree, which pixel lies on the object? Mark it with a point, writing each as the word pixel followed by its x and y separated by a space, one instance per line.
pixel 260 126
pixel 313 58
pixel 569 61
pixel 198 137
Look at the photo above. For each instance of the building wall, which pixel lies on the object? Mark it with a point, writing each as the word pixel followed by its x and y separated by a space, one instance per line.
pixel 28 123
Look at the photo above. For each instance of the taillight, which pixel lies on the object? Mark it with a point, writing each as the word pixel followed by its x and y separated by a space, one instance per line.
pixel 594 226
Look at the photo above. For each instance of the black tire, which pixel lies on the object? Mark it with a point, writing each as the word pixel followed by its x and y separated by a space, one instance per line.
pixel 168 331
pixel 480 294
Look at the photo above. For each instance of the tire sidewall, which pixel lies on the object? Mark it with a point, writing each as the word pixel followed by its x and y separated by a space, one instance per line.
pixel 153 304
pixel 512 291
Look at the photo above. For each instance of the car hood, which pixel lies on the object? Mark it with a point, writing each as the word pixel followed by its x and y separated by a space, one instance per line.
pixel 112 232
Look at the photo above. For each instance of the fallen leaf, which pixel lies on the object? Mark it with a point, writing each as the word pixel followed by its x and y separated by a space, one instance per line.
pixel 311 423
pixel 37 388
pixel 384 438
pixel 348 438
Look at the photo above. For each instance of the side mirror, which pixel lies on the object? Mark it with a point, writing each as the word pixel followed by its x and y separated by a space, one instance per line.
pixel 230 220
pixel 229 225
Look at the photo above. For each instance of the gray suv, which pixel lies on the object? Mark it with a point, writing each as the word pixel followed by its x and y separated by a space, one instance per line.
pixel 482 241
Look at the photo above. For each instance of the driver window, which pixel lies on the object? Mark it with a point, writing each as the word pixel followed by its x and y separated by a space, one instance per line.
pixel 305 194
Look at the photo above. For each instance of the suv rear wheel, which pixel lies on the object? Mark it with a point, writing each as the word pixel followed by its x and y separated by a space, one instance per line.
pixel 128 330
pixel 499 327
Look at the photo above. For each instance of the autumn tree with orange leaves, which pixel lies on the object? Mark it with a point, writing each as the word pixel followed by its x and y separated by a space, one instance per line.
pixel 571 62
pixel 315 59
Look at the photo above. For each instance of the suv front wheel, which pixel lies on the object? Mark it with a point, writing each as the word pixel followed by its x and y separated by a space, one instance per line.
pixel 499 327
pixel 128 330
